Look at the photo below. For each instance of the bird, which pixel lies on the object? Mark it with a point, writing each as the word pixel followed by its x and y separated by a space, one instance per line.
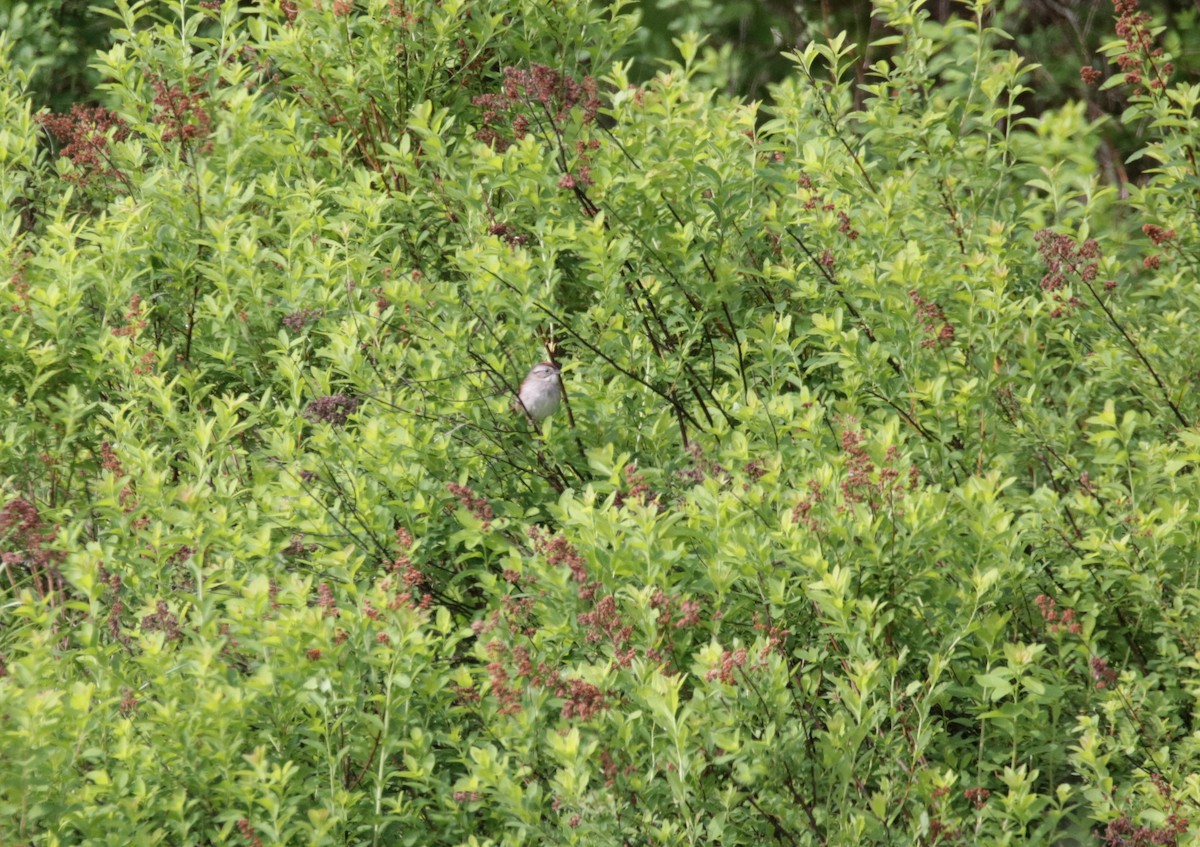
pixel 541 392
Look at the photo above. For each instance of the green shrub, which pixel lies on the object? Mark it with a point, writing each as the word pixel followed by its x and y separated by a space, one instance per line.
pixel 867 519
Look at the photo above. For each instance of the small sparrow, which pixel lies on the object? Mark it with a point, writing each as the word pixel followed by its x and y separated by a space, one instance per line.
pixel 541 392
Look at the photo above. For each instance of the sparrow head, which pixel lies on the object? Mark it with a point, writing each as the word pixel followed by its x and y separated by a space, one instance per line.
pixel 545 372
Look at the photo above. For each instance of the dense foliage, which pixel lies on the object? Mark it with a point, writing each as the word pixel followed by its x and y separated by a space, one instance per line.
pixel 869 518
pixel 745 42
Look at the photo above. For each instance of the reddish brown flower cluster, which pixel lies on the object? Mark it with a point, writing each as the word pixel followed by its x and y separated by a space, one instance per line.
pixel 109 459
pixel 583 700
pixel 182 113
pixel 800 513
pixel 674 612
pixel 327 601
pixel 403 539
pixel 1161 785
pixel 776 635
pixel 504 686
pixel 610 769
pixel 933 322
pixel 1057 621
pixel 602 624
pixel 134 317
pixel 288 7
pixel 755 470
pixel 582 175
pixel 860 484
pixel 145 363
pixel 844 226
pixel 297 547
pixel 27 538
pixel 477 506
pixel 411 577
pixel 381 299
pixel 558 551
pixel 530 98
pixel 162 620
pixel 85 135
pixel 135 320
pixel 1063 256
pixel 333 409
pixel 605 624
pixel 486 625
pixel 113 622
pixel 941 832
pixel 978 796
pixel 518 614
pixel 508 233
pixel 730 661
pixel 1139 55
pixel 639 491
pixel 247 832
pixel 20 284
pixel 514 577
pixel 1157 235
pixel 1090 75
pixel 553 91
pixel 1125 833
pixel 816 199
pixel 298 319
pixel 702 467
pixel 1102 674
pixel 129 702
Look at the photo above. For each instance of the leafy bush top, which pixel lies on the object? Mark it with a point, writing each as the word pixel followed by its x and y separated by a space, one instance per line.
pixel 868 518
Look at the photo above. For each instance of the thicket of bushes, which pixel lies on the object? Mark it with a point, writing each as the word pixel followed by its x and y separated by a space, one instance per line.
pixel 870 517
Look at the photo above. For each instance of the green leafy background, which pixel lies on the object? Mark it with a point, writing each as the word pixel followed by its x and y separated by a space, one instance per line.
pixel 870 517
